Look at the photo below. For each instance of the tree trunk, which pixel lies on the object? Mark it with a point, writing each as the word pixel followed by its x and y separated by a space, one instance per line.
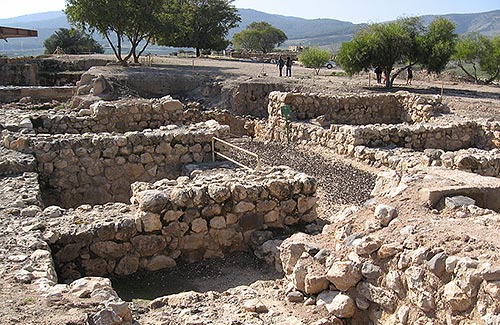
pixel 460 65
pixel 198 52
pixel 137 56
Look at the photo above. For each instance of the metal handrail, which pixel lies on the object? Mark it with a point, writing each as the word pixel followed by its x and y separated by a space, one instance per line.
pixel 234 147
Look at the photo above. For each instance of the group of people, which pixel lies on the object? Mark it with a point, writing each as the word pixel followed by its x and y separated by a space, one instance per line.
pixel 288 63
pixel 378 72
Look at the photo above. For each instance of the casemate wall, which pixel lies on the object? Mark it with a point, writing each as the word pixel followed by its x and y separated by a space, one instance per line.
pixel 99 168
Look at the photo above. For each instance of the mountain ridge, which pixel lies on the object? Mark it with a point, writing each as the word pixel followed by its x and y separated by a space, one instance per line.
pixel 324 32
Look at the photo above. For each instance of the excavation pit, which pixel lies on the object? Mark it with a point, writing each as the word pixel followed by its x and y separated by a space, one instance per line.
pixel 235 269
pixel 188 220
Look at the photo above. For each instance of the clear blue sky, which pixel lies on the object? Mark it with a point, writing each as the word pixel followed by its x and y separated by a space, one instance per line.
pixel 356 11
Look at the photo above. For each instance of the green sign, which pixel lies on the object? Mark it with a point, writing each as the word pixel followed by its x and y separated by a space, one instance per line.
pixel 286 110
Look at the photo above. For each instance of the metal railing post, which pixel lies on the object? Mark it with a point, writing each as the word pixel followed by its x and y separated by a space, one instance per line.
pixel 213 149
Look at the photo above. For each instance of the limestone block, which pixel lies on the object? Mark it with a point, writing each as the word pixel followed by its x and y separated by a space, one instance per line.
pixel 437 264
pixel 493 289
pixel 148 245
pixel 266 205
pixel 341 306
pixel 271 216
pixel 211 210
pixel 298 276
pixel 150 221
pixel 193 242
pixel 218 193
pixel 95 267
pixel 127 265
pixel 218 223
pixel 172 215
pixel 239 192
pixel 68 253
pixel 344 275
pixel 288 206
pixel 108 249
pixel 199 225
pixel 385 213
pixel 134 170
pixel 304 204
pixel 120 308
pixel 279 189
pixel 243 207
pixel 159 262
pixel 255 306
pixel 181 198
pixel 389 250
pixel 291 250
pixel 366 245
pixel 84 287
pixel 456 297
pixel 226 237
pixel 314 283
pixel 295 296
pixel 371 271
pixel 393 281
pixel 125 230
pixel 382 297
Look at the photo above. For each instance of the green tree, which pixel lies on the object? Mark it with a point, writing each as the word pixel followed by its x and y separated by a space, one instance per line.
pixel 481 54
pixel 202 24
pixel 259 36
pixel 72 41
pixel 315 58
pixel 403 41
pixel 436 46
pixel 136 21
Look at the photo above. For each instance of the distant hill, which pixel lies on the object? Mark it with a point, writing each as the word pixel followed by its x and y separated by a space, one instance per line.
pixel 486 23
pixel 327 33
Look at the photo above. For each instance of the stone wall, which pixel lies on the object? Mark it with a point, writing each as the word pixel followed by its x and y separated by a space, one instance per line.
pixel 99 168
pixel 44 71
pixel 13 94
pixel 468 145
pixel 207 216
pixel 134 115
pixel 356 109
pixel 250 98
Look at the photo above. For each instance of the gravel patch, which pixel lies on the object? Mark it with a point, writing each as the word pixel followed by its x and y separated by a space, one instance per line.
pixel 339 183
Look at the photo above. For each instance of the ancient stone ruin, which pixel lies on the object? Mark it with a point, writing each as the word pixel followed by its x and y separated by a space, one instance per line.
pixel 120 185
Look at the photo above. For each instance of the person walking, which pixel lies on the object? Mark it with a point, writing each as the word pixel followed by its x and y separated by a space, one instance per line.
pixel 281 64
pixel 409 73
pixel 289 63
pixel 378 72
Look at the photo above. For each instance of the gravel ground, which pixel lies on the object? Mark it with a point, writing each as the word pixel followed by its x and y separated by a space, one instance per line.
pixel 339 183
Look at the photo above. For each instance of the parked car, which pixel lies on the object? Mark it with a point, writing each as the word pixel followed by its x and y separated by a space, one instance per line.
pixel 331 64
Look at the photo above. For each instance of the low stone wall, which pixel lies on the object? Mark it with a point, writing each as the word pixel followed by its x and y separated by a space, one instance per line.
pixel 402 146
pixel 251 98
pixel 190 219
pixel 356 109
pixel 13 94
pixel 134 115
pixel 95 169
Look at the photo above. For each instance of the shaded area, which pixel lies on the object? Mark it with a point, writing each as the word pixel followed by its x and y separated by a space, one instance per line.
pixel 236 269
